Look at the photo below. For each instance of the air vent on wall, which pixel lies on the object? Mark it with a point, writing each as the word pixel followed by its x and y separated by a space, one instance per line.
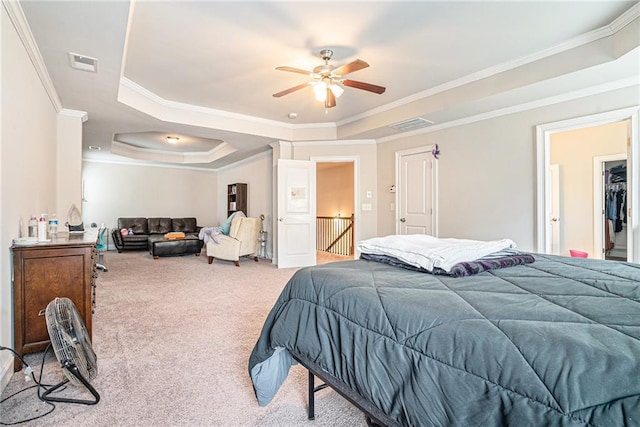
pixel 83 62
pixel 411 124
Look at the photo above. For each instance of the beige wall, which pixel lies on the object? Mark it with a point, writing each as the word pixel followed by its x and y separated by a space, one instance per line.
pixel 27 164
pixel 256 172
pixel 69 163
pixel 486 171
pixel 118 190
pixel 334 189
pixel 574 151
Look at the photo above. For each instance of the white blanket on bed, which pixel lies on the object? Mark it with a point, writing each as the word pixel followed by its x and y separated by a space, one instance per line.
pixel 430 252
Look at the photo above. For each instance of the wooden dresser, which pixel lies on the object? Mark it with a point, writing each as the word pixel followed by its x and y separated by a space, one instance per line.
pixel 62 267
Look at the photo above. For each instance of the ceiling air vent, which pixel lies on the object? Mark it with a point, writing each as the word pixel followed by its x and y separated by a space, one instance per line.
pixel 416 123
pixel 83 62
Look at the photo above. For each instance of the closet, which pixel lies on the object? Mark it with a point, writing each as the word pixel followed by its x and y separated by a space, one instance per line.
pixel 615 210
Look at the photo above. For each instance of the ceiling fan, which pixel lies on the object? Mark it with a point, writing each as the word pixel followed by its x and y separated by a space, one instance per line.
pixel 327 80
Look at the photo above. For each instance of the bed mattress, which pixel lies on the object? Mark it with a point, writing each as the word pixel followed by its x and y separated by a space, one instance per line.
pixel 554 342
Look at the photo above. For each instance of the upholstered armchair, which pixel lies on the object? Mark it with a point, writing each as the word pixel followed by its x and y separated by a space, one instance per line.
pixel 242 240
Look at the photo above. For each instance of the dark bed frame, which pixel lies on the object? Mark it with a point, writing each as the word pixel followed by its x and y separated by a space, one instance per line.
pixel 375 417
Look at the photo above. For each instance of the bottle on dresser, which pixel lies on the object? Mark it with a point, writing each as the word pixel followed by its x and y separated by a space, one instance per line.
pixel 33 226
pixel 42 228
pixel 53 225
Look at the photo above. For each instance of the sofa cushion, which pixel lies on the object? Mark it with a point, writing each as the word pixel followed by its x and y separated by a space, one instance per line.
pixel 159 225
pixel 135 239
pixel 137 225
pixel 185 225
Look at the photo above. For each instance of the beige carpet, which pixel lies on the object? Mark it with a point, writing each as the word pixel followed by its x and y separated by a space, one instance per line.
pixel 173 337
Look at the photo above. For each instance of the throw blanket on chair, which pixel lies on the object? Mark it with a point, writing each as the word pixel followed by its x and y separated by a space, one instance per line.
pixel 209 233
pixel 212 233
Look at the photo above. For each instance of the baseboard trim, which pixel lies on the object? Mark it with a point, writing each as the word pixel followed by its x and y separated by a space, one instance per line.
pixel 6 373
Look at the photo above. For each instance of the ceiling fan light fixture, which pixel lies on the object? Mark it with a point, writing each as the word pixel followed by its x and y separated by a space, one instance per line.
pixel 320 91
pixel 327 81
pixel 337 90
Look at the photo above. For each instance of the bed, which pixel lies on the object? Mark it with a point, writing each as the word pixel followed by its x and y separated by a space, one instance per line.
pixel 552 342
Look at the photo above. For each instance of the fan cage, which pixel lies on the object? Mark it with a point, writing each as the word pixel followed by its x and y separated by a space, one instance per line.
pixel 70 340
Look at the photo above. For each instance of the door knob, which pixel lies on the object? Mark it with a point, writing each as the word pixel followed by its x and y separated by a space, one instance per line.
pixel 554 219
pixel 403 220
pixel 280 219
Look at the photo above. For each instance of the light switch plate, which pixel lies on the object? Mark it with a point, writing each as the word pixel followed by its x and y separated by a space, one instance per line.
pixel 366 206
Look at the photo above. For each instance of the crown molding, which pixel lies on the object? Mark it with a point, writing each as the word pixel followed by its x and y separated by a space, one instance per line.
pixel 570 96
pixel 141 90
pixel 151 165
pixel 19 21
pixel 340 142
pixel 626 18
pixel 581 40
pixel 82 115
pixel 127 150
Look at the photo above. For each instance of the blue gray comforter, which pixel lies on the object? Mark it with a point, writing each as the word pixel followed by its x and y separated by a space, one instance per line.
pixel 554 342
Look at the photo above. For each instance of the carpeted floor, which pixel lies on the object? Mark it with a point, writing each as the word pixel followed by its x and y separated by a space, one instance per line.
pixel 173 337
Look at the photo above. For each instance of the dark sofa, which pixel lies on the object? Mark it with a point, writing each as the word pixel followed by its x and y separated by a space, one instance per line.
pixel 144 228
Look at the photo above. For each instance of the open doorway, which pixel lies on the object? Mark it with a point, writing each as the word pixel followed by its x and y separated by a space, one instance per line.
pixel 612 231
pixel 573 152
pixel 574 145
pixel 335 211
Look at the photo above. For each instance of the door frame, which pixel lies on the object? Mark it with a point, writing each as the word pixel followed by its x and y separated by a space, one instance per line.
pixel 554 169
pixel 434 186
pixel 356 192
pixel 543 202
pixel 598 203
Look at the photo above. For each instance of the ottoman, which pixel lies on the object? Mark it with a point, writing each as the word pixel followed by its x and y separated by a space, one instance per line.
pixel 159 246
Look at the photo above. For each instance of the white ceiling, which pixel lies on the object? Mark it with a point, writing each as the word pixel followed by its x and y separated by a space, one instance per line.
pixel 205 70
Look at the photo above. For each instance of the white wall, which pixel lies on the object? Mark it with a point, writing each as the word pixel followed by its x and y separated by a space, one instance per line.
pixel 114 190
pixel 69 163
pixel 27 164
pixel 487 175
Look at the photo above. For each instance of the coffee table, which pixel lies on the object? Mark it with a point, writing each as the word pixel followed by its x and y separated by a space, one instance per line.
pixel 159 246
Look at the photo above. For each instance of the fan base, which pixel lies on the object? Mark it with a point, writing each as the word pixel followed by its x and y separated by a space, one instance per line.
pixel 73 370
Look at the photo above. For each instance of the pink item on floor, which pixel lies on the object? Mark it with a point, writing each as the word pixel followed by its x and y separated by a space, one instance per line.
pixel 578 254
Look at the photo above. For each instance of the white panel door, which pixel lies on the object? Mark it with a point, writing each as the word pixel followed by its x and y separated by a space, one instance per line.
pixel 296 213
pixel 416 196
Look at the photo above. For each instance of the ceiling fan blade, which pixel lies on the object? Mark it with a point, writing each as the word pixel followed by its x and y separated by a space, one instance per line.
pixel 345 69
pixel 291 89
pixel 364 86
pixel 330 101
pixel 295 70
